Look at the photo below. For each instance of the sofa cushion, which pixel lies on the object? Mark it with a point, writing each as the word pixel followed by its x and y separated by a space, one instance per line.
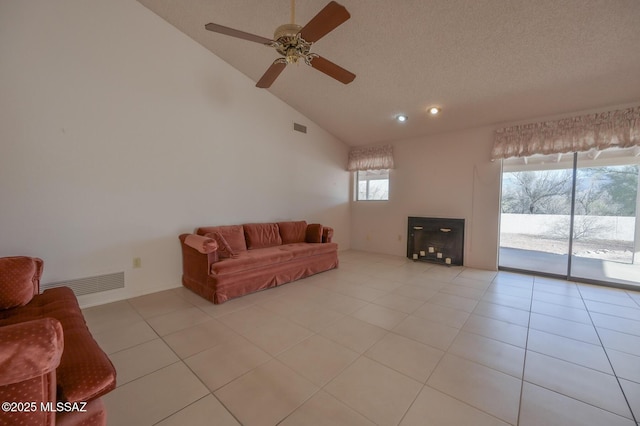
pixel 251 259
pixel 233 234
pixel 306 249
pixel 262 235
pixel 19 280
pixel 293 232
pixel 224 249
pixel 314 233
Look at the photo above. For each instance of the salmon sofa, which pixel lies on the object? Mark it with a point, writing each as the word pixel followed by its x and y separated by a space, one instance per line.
pixel 223 262
pixel 52 371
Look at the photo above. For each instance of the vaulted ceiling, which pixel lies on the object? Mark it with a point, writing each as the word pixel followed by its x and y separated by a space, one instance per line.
pixel 484 62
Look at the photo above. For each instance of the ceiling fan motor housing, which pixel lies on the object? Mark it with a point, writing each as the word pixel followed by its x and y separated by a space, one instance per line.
pixel 289 44
pixel 286 30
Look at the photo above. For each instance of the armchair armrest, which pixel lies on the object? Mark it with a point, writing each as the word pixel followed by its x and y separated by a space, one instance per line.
pixel 29 349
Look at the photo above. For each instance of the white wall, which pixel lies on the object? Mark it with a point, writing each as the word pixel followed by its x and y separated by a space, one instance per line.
pixel 117 133
pixel 449 175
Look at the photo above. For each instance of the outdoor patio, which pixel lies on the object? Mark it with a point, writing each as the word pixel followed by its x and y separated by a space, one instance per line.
pixel 582 267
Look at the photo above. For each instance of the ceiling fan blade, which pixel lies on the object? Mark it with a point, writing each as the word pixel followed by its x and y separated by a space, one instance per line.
pixel 237 33
pixel 272 73
pixel 324 22
pixel 332 70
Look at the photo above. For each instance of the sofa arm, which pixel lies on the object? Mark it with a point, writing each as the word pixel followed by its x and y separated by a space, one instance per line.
pixel 202 244
pixel 29 349
pixel 196 265
pixel 327 234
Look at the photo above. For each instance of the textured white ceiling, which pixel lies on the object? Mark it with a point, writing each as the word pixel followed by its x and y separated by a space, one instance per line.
pixel 482 61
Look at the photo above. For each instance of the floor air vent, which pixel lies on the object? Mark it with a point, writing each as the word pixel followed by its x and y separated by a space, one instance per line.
pixel 91 285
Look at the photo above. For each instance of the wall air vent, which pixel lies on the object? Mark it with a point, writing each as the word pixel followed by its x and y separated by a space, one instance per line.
pixel 299 128
pixel 90 285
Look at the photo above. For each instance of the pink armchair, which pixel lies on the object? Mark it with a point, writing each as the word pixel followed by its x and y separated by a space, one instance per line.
pixel 51 369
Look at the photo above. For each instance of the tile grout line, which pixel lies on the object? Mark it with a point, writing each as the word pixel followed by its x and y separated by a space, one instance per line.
pixel 182 361
pixel 186 406
pixel 555 391
pixel 360 355
pixel 430 374
pixel 624 395
pixel 524 361
pixel 590 368
pixel 274 357
pixel 440 360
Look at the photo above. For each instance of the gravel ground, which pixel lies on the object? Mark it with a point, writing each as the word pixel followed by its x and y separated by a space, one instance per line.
pixel 613 250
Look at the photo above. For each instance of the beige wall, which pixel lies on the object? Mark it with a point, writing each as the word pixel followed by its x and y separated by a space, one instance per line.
pixel 117 133
pixel 449 175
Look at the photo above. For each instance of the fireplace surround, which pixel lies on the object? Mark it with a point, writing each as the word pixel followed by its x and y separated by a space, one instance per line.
pixel 437 240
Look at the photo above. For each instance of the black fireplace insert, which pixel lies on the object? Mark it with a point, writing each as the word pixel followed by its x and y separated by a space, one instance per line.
pixel 437 240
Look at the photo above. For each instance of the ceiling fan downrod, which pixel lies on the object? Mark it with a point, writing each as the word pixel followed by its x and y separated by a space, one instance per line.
pixel 293 12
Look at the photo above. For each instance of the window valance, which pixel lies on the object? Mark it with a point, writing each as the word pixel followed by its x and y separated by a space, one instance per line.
pixel 620 128
pixel 371 158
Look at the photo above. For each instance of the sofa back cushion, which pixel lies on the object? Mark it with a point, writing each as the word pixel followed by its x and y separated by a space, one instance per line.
pixel 19 280
pixel 314 233
pixel 261 235
pixel 293 232
pixel 233 235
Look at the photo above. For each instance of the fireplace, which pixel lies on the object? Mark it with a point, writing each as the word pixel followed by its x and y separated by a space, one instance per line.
pixel 437 240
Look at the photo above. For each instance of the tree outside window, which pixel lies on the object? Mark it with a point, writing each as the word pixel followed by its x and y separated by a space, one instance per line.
pixel 372 185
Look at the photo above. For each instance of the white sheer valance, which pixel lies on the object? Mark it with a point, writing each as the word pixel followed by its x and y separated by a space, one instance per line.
pixel 371 158
pixel 620 128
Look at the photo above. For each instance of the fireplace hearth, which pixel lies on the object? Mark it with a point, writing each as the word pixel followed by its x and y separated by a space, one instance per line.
pixel 437 240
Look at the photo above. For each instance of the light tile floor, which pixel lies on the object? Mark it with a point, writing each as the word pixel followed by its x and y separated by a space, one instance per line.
pixel 381 340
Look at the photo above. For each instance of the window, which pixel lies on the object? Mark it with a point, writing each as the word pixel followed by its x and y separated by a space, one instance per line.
pixel 372 185
pixel 372 165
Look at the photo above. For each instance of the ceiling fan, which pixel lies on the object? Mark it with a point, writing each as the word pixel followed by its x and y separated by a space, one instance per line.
pixel 294 42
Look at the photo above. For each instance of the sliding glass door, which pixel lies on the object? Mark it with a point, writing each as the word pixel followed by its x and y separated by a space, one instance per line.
pixel 572 215
pixel 534 229
pixel 604 231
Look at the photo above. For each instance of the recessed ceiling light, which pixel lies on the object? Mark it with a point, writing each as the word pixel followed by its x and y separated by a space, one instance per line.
pixel 401 118
pixel 434 110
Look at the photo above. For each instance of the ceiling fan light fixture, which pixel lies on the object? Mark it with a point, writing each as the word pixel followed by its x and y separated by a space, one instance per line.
pixel 434 110
pixel 292 55
pixel 401 118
